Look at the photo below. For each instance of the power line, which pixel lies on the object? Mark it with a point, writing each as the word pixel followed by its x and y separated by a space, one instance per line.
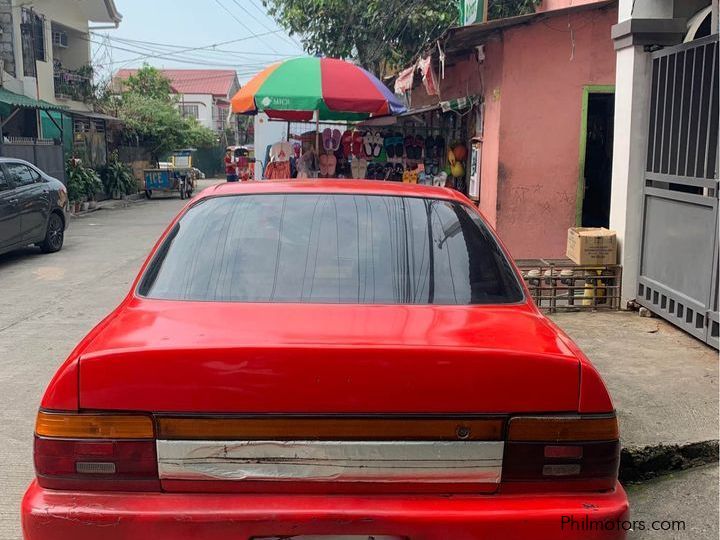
pixel 139 43
pixel 199 78
pixel 170 55
pixel 265 26
pixel 242 23
pixel 263 12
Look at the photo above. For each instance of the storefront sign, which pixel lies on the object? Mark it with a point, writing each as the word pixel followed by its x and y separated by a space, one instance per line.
pixel 473 11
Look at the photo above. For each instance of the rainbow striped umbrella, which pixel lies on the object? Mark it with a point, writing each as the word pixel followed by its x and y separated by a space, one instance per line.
pixel 296 88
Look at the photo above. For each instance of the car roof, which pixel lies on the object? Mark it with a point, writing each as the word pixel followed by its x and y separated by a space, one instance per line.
pixel 364 187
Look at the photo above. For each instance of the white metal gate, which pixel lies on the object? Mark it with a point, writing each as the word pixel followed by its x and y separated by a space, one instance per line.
pixel 679 259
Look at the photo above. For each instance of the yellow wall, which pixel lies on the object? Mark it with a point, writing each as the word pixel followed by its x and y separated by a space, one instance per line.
pixel 69 14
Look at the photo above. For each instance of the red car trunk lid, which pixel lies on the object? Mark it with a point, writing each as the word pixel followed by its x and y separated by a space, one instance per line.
pixel 163 356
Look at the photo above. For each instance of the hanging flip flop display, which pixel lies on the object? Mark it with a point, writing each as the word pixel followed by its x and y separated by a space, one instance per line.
pixel 428 148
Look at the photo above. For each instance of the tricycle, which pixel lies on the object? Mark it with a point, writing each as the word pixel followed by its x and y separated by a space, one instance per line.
pixel 168 180
pixel 175 175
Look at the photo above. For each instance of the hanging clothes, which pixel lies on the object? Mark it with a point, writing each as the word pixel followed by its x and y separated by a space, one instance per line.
pixel 277 170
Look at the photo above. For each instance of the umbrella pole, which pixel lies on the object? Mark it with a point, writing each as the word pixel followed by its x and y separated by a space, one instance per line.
pixel 317 132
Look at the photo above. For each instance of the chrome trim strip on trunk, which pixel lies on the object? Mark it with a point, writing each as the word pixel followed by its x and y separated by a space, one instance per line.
pixel 359 461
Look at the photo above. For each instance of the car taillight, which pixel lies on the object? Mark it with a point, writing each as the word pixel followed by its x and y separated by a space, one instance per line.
pixel 561 452
pixel 96 452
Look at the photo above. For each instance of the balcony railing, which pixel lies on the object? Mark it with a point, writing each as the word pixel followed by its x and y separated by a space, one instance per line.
pixel 73 84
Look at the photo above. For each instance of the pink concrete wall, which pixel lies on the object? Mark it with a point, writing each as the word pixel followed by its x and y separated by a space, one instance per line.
pixel 492 79
pixel 549 5
pixel 545 67
pixel 532 83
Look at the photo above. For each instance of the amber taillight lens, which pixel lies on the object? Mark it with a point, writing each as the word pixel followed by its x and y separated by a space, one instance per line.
pixel 579 452
pixel 95 452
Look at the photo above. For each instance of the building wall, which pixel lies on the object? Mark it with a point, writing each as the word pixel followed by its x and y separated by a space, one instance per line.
pixel 492 79
pixel 205 105
pixel 549 5
pixel 545 68
pixel 67 13
pixel 76 55
pixel 7 49
pixel 532 80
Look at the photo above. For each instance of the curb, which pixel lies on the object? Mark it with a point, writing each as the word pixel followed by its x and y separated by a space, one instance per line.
pixel 111 204
pixel 640 464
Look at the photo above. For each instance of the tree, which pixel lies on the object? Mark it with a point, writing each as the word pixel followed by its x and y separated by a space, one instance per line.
pixel 150 82
pixel 150 116
pixel 501 9
pixel 381 35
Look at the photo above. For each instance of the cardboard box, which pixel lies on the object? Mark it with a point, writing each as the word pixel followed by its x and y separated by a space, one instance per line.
pixel 591 245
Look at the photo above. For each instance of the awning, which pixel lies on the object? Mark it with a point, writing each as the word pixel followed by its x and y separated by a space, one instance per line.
pixel 458 105
pixel 95 115
pixel 380 121
pixel 18 100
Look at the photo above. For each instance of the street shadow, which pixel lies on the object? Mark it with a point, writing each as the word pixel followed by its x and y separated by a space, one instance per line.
pixel 20 255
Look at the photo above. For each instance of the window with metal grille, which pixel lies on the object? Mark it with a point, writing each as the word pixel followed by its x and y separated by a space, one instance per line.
pixel 189 110
pixel 32 34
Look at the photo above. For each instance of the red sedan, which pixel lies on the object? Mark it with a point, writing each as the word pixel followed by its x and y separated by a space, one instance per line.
pixel 328 359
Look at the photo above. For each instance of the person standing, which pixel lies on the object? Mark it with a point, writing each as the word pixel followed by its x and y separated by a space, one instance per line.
pixel 230 167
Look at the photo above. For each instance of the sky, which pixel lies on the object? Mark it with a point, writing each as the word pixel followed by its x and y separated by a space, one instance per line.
pixel 193 34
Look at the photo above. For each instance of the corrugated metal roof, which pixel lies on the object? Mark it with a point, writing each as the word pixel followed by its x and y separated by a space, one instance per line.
pixel 99 116
pixel 18 100
pixel 216 82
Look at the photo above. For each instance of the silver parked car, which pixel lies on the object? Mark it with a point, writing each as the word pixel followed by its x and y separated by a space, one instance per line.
pixel 32 207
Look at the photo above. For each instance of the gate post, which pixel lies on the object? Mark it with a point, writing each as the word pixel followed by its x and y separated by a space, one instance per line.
pixel 632 94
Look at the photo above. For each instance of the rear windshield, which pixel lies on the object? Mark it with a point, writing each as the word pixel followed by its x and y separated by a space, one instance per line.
pixel 331 248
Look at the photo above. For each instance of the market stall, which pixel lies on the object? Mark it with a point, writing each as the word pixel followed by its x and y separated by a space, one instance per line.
pixel 427 145
pixel 318 89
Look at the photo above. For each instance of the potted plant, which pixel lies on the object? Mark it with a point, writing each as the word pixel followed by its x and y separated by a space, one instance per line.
pixel 75 184
pixel 117 178
pixel 92 187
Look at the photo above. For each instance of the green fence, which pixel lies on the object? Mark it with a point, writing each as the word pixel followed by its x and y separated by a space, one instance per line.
pixel 50 130
pixel 208 160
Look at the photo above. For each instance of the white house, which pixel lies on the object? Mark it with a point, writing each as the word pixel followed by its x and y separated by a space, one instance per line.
pixel 203 94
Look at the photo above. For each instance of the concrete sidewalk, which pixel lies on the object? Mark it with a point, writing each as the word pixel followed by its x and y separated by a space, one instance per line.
pixel 689 497
pixel 664 384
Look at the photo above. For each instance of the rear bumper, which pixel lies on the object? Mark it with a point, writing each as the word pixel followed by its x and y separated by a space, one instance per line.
pixel 56 515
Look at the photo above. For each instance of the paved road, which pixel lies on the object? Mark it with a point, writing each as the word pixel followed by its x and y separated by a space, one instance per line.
pixel 48 302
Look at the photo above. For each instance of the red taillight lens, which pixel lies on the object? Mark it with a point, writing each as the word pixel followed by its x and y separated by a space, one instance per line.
pixel 580 452
pixel 95 452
